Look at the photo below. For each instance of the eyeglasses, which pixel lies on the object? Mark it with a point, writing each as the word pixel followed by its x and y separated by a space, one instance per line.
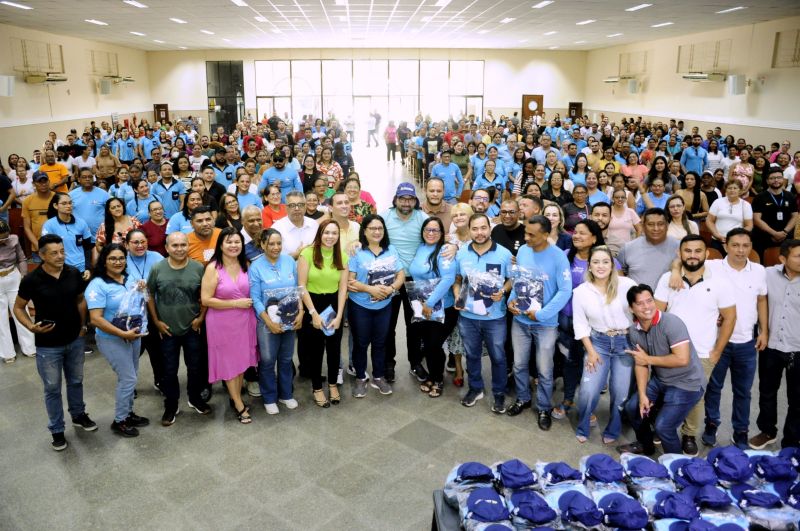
pixel 375 229
pixel 295 205
pixel 481 199
pixel 432 231
pixel 116 259
pixel 138 242
pixel 507 212
pixel 64 203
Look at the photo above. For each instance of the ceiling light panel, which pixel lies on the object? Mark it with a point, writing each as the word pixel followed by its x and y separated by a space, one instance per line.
pixel 640 6
pixel 96 22
pixel 540 5
pixel 584 22
pixel 14 4
pixel 134 3
pixel 731 10
pixel 178 21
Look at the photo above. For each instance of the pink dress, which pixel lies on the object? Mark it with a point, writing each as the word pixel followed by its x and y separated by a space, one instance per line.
pixel 231 333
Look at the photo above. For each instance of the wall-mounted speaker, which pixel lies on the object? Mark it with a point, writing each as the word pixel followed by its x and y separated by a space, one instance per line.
pixel 105 86
pixel 633 86
pixel 7 86
pixel 736 85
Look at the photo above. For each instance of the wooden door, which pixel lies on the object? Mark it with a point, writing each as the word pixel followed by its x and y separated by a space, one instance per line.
pixel 575 110
pixel 160 112
pixel 532 104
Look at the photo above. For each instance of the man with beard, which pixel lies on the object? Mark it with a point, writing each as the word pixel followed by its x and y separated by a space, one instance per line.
pixel 601 214
pixel 704 300
pixel 434 204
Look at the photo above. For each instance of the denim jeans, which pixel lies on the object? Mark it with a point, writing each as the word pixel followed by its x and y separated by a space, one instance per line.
pixel 522 336
pixel 677 403
pixel 573 357
pixel 742 359
pixel 123 356
pixel 474 332
pixel 276 351
pixel 614 360
pixel 194 354
pixel 369 327
pixel 50 362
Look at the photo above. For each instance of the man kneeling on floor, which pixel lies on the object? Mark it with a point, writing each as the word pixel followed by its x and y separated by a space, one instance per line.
pixel 662 344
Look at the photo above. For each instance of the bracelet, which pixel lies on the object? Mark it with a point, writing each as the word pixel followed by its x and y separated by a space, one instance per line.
pixel 312 311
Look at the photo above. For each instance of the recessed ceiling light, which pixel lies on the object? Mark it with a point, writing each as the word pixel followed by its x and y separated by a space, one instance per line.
pixel 139 34
pixel 259 18
pixel 134 3
pixel 158 41
pixel 661 25
pixel 540 5
pixel 614 35
pixel 442 3
pixel 14 4
pixel 507 20
pixel 181 47
pixel 731 10
pixel 240 3
pixel 551 33
pixel 584 22
pixel 207 32
pixel 580 42
pixel 637 8
pixel 226 40
pixel 523 41
pixel 97 22
pixel 553 48
pixel 483 32
pixel 178 21
pixel 275 30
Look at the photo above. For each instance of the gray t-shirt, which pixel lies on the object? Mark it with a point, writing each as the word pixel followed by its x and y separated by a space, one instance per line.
pixel 667 331
pixel 645 262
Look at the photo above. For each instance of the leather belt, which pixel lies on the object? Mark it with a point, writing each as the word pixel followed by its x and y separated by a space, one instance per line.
pixel 7 272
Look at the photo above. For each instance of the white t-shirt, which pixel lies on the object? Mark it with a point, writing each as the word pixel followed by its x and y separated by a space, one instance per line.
pixel 296 237
pixel 730 216
pixel 591 311
pixel 746 285
pixel 80 163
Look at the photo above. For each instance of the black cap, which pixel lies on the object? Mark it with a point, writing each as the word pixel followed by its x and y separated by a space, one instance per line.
pixel 220 150
pixel 40 175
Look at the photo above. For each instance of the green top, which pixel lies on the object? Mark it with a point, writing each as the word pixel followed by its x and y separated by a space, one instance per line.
pixel 325 280
pixel 176 293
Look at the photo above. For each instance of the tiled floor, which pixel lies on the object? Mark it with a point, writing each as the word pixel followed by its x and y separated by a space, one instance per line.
pixel 364 464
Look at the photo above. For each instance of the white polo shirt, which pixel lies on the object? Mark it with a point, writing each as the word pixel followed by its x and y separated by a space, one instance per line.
pixel 745 285
pixel 698 307
pixel 296 237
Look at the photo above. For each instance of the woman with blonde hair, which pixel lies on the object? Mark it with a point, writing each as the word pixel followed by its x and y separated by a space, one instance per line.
pixel 458 236
pixel 558 236
pixel 601 317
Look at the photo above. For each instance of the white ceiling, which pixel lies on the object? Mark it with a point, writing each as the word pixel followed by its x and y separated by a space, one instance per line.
pixel 386 23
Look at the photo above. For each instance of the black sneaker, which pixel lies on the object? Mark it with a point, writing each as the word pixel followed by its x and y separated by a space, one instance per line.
pixel 739 440
pixel 168 418
pixel 419 372
pixel 471 397
pixel 709 436
pixel 636 448
pixel 388 374
pixel 689 446
pixel 499 405
pixel 545 420
pixel 136 421
pixel 205 394
pixel 83 421
pixel 201 407
pixel 59 442
pixel 451 363
pixel 122 428
pixel 517 408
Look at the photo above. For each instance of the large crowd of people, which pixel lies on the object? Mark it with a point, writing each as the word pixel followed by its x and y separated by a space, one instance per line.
pixel 624 257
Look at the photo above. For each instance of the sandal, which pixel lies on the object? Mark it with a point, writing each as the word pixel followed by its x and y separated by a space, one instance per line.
pixel 425 387
pixel 581 439
pixel 333 391
pixel 458 381
pixel 436 390
pixel 320 400
pixel 608 440
pixel 244 415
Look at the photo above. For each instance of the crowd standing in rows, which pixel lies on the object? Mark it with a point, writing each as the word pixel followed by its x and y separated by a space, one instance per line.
pixel 624 256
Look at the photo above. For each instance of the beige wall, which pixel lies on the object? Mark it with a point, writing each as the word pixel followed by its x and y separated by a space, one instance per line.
pixel 36 109
pixel 765 113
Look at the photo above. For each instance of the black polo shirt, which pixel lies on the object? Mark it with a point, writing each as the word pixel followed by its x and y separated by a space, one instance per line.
pixel 510 239
pixel 55 299
pixel 775 210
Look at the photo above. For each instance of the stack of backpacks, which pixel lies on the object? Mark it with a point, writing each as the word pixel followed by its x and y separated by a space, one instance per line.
pixel 730 490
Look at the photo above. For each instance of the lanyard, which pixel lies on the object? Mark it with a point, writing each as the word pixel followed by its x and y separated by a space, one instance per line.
pixel 144 266
pixel 780 205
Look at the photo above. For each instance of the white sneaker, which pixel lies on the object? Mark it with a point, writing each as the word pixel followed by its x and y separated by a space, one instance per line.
pixel 253 389
pixel 340 377
pixel 272 409
pixel 290 404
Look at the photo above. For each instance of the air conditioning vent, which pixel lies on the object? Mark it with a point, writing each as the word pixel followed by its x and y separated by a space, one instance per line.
pixel 700 76
pixel 38 79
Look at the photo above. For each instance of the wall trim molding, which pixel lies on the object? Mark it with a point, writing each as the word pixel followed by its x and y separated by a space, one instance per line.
pixel 745 122
pixel 70 118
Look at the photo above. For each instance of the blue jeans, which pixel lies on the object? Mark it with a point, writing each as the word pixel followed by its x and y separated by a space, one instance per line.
pixel 195 356
pixel 474 332
pixel 573 358
pixel 613 359
pixel 276 350
pixel 369 327
pixel 123 356
pixel 50 362
pixel 522 336
pixel 677 403
pixel 742 359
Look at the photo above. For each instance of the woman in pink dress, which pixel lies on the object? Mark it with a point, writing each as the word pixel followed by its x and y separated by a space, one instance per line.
pixel 230 321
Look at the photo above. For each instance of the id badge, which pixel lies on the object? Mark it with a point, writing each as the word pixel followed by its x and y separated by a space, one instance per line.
pixel 175 196
pixel 779 216
pixel 78 240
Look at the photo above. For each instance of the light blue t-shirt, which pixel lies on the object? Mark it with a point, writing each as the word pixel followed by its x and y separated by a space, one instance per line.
pixel 139 208
pixel 453 180
pixel 138 267
pixel 121 191
pixel 495 260
pixel 169 197
pixel 405 235
pixel 420 269
pixel 126 149
pixel 364 265
pixel 264 275
pixel 108 296
pixel 287 179
pixel 89 206
pixel 73 234
pixel 179 223
pixel 247 200
pixel 551 268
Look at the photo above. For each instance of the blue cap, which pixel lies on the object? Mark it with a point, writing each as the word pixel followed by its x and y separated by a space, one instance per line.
pixel 602 467
pixel 792 454
pixel 674 505
pixel 575 507
pixel 694 471
pixel 773 468
pixel 730 464
pixel 532 507
pixel 708 496
pixel 405 190
pixel 644 467
pixel 560 471
pixel 515 474
pixel 472 471
pixel 750 497
pixel 486 505
pixel 698 524
pixel 622 511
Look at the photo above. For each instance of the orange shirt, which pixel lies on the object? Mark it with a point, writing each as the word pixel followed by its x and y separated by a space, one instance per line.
pixel 269 216
pixel 34 208
pixel 202 250
pixel 56 172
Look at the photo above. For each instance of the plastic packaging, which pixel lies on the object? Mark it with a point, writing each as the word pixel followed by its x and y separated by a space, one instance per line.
pixel 132 311
pixel 418 292
pixel 381 272
pixel 476 293
pixel 283 305
pixel 328 315
pixel 529 288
